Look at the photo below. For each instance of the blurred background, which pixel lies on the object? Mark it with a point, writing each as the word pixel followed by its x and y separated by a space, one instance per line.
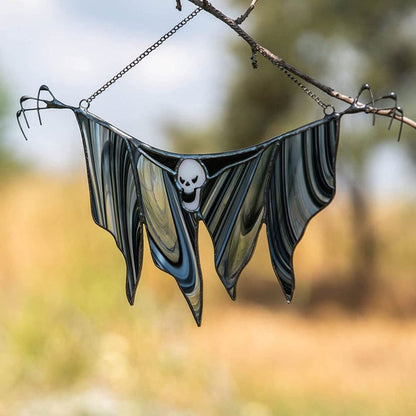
pixel 69 342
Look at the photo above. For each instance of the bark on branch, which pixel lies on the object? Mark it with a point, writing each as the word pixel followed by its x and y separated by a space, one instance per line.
pixel 244 16
pixel 234 24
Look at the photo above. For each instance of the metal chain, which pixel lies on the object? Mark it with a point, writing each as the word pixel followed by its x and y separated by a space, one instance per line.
pixel 85 103
pixel 328 108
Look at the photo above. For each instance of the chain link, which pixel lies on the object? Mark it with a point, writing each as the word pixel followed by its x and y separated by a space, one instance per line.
pixel 328 108
pixel 307 91
pixel 85 103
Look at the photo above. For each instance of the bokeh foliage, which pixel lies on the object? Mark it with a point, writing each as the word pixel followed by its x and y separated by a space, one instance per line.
pixel 9 164
pixel 343 45
pixel 4 105
pixel 71 345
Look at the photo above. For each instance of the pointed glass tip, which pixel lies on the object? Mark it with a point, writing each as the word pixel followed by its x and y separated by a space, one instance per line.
pixel 232 292
pixel 197 314
pixel 130 293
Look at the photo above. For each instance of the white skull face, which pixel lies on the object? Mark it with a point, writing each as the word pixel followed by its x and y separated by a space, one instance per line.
pixel 191 177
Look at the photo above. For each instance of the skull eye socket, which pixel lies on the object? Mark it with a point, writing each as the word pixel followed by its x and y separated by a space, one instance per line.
pixel 195 179
pixel 181 180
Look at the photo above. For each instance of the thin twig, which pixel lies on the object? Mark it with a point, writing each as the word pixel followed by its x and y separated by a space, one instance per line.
pixel 179 5
pixel 244 16
pixel 276 60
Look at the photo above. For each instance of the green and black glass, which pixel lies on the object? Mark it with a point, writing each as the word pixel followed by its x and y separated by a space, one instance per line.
pixel 282 182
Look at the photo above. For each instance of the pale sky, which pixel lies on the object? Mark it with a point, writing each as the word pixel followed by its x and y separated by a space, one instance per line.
pixel 75 46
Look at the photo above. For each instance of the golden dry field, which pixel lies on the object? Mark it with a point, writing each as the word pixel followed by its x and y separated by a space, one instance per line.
pixel 70 344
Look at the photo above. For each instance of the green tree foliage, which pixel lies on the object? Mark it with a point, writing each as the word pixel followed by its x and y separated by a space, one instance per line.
pixel 8 162
pixel 3 109
pixel 342 44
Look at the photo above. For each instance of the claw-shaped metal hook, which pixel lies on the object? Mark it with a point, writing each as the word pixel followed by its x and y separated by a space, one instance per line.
pixel 18 114
pixel 393 115
pixel 49 103
pixel 366 108
pixel 393 111
pixel 370 107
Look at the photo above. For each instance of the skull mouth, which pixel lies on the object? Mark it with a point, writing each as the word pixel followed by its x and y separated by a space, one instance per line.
pixel 190 178
pixel 189 197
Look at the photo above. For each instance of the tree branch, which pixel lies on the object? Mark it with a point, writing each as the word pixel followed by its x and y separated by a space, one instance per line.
pixel 244 16
pixel 234 24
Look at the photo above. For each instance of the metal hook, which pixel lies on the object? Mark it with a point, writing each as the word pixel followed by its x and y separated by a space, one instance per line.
pixel 84 104
pixel 18 114
pixel 366 87
pixel 399 110
pixel 330 111
pixel 51 103
pixel 393 111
